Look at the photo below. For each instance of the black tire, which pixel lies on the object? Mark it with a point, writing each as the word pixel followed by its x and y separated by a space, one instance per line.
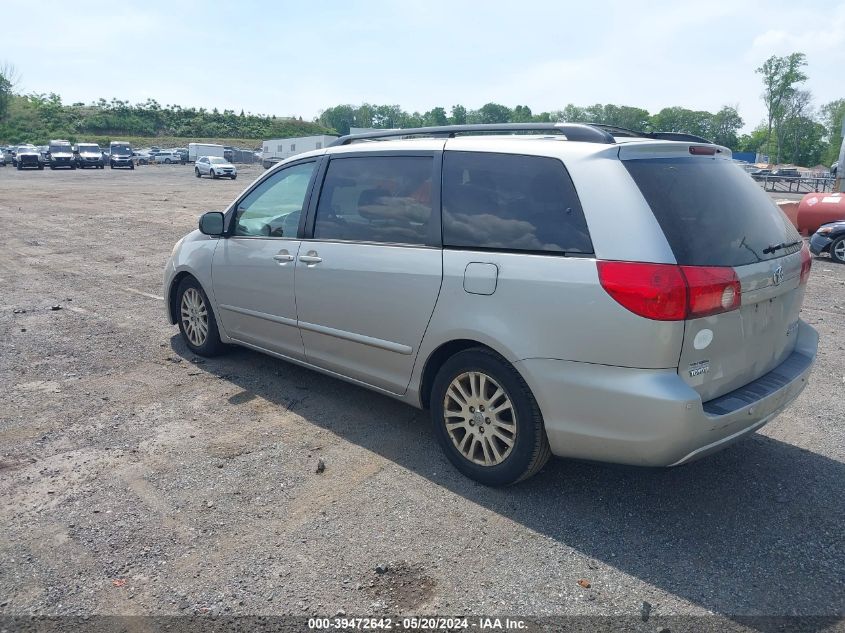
pixel 132 166
pixel 234 176
pixel 111 166
pixel 837 243
pixel 530 450
pixel 19 166
pixel 41 167
pixel 197 172
pixel 166 161
pixel 213 175
pixel 52 166
pixel 212 345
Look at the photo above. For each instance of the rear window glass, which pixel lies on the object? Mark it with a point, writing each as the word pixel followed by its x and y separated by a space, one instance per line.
pixel 712 213
pixel 511 202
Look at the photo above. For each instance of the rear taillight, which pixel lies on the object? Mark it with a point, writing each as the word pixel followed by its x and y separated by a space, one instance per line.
pixel 806 263
pixel 653 291
pixel 667 292
pixel 712 289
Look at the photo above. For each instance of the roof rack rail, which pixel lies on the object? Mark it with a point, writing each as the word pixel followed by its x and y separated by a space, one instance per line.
pixel 572 131
pixel 615 130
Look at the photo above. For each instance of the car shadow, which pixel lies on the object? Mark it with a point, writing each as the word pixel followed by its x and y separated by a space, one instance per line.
pixel 756 529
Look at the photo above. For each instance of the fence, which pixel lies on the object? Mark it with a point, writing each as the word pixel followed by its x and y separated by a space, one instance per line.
pixel 782 184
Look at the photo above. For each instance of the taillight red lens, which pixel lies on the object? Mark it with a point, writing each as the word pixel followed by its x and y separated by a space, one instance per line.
pixel 667 292
pixel 712 289
pixel 653 291
pixel 806 263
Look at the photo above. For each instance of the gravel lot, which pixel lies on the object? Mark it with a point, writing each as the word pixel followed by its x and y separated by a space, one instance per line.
pixel 138 479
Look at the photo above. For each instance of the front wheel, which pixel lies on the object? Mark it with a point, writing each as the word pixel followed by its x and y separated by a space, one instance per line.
pixel 197 172
pixel 837 250
pixel 166 161
pixel 487 420
pixel 132 166
pixel 234 176
pixel 196 319
pixel 213 175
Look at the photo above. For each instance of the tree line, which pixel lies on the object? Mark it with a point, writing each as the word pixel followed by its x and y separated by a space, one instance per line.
pixel 795 130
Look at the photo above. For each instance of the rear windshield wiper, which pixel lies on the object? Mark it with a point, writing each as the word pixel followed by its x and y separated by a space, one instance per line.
pixel 776 247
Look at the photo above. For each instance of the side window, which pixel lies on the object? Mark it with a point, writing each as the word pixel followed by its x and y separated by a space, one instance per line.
pixel 274 207
pixel 376 199
pixel 511 202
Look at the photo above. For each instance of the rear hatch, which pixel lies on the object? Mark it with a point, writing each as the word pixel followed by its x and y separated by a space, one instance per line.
pixel 715 217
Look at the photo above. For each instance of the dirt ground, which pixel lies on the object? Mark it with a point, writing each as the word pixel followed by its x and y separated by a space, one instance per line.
pixel 138 479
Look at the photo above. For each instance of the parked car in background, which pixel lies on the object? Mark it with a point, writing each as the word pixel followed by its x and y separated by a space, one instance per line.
pixel 60 154
pixel 167 158
pixel 120 155
pixel 830 239
pixel 183 154
pixel 2 157
pixel 215 167
pixel 142 157
pixel 459 274
pixel 760 174
pixel 228 153
pixel 784 174
pixel 28 157
pixel 89 155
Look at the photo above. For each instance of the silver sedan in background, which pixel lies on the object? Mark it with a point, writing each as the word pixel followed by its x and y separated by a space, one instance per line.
pixel 215 167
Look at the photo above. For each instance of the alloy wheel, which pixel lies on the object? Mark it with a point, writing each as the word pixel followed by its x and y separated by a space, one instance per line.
pixel 194 317
pixel 480 418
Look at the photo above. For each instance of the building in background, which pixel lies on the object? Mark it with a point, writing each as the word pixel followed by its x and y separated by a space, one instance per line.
pixel 278 149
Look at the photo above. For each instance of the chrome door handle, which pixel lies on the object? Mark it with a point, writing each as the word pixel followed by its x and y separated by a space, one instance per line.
pixel 310 259
pixel 283 257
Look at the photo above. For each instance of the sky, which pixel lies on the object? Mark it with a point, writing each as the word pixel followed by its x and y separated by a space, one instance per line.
pixel 298 58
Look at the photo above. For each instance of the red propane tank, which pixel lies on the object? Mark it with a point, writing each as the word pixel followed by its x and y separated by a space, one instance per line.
pixel 816 209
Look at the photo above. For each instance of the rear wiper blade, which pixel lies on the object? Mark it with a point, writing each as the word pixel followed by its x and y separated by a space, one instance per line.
pixel 776 247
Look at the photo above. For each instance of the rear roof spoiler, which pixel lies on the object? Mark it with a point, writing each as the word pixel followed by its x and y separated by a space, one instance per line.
pixel 660 136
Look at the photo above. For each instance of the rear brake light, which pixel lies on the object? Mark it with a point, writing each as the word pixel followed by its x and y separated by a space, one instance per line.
pixel 806 263
pixel 667 292
pixel 698 150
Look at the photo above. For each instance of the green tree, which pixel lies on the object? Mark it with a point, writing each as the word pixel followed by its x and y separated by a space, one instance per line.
pixel 8 79
pixel 493 113
pixel 459 115
pixel 832 115
pixel 724 126
pixel 780 75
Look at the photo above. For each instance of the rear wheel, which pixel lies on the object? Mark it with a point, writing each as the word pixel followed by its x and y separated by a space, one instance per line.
pixel 196 319
pixel 837 250
pixel 197 172
pixel 166 161
pixel 132 166
pixel 487 420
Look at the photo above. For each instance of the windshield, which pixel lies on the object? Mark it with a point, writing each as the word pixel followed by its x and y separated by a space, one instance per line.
pixel 122 148
pixel 89 148
pixel 711 212
pixel 217 161
pixel 59 147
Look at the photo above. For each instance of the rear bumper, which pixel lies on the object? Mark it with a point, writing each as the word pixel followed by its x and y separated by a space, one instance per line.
pixel 651 417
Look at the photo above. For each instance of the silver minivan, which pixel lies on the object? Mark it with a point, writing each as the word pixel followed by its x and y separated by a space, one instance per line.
pixel 578 291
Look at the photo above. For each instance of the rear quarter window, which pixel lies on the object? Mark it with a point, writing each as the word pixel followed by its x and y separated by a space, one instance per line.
pixel 511 202
pixel 711 212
